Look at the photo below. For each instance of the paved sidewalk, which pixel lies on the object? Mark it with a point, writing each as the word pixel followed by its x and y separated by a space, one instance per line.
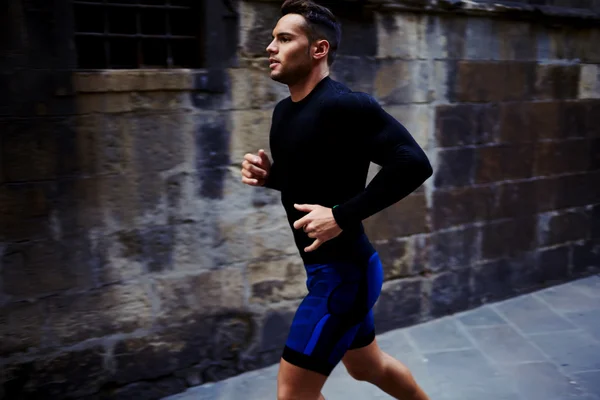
pixel 539 346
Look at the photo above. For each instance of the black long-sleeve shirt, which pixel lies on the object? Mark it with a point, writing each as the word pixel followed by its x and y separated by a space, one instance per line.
pixel 322 147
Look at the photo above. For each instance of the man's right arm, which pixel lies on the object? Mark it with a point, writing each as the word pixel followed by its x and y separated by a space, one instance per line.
pixel 273 180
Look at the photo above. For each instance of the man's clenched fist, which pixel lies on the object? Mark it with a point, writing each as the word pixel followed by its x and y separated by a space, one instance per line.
pixel 256 168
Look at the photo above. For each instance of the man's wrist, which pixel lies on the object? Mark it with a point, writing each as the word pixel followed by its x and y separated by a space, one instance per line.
pixel 335 210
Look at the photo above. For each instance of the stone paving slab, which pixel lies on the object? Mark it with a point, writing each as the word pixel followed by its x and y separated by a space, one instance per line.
pixel 539 346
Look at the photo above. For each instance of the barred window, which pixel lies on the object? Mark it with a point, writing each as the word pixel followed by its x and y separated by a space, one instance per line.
pixel 117 34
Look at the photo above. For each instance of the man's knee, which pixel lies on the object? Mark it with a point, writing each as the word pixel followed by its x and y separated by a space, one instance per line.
pixel 367 372
pixel 375 371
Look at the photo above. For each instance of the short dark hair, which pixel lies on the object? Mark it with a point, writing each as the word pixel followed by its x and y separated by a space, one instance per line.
pixel 320 21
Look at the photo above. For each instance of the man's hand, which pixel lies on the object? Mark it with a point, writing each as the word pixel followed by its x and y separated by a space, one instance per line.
pixel 318 223
pixel 256 168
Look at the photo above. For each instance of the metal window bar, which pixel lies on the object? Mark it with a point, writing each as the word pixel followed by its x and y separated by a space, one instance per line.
pixel 149 48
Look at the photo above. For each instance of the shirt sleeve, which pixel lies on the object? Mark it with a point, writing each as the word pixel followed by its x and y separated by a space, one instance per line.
pixel 404 164
pixel 274 178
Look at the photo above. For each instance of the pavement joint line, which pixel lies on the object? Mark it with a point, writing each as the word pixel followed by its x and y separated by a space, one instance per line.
pixel 491 361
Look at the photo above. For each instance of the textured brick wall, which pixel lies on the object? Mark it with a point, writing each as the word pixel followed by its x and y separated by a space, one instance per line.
pixel 135 263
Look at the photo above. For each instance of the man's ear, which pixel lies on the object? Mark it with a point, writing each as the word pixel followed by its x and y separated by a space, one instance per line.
pixel 320 49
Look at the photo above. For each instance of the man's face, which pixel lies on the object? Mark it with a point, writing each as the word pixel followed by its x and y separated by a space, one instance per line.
pixel 289 54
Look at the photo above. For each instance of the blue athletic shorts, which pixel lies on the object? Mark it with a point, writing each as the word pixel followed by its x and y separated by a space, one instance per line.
pixel 337 313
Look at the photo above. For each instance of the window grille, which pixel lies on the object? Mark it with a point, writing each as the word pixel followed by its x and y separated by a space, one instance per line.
pixel 117 34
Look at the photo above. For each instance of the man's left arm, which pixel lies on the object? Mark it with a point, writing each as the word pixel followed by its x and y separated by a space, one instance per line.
pixel 404 164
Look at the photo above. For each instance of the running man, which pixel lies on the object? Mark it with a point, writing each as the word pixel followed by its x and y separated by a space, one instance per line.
pixel 322 139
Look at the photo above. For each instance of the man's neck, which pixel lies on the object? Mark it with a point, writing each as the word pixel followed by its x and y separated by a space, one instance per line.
pixel 301 89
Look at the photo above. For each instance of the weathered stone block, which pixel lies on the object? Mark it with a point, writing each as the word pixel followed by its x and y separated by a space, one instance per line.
pixel 574 190
pixel 528 122
pixel 404 218
pixel 465 124
pixel 594 152
pixel 482 81
pixel 400 82
pixel 36 268
pixel 121 200
pixel 593 118
pixel 454 248
pixel 103 143
pixel 78 206
pixel 404 257
pixel 181 196
pixel 251 223
pixel 586 257
pixel 89 103
pixel 196 244
pixel 525 273
pixel 450 292
pixel 157 140
pixel 461 206
pixel 556 81
pixel 100 312
pixel 561 157
pixel 357 72
pixel 556 228
pixel 595 221
pixel 480 41
pixel 499 279
pixel 31 140
pixel 253 88
pixel 120 257
pixel 415 118
pixel 455 167
pixel 25 210
pixel 250 132
pixel 276 280
pixel 241 246
pixel 517 199
pixel 444 80
pixel 503 162
pixel 402 35
pixel 577 44
pixel 192 297
pixel 508 238
pixel 447 39
pixel 399 304
pixel 257 21
pixel 572 119
pixel 132 80
pixel 554 264
pixel 165 101
pixel 178 347
pixel 359 30
pixel 516 40
pixel 275 327
pixel 212 132
pixel 21 327
pixel 74 373
pixel 492 281
pixel 589 82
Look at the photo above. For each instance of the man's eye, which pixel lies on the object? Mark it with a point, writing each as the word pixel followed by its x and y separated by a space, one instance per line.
pixel 285 40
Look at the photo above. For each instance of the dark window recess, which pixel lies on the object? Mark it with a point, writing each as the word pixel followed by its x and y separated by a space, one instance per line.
pixel 115 34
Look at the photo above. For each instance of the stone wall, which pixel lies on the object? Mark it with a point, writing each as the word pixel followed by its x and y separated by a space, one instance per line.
pixel 135 263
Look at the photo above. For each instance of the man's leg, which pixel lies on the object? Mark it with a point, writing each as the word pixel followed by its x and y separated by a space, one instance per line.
pixel 371 364
pixel 295 383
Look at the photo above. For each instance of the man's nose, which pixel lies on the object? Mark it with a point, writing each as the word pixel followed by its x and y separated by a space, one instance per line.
pixel 271 47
